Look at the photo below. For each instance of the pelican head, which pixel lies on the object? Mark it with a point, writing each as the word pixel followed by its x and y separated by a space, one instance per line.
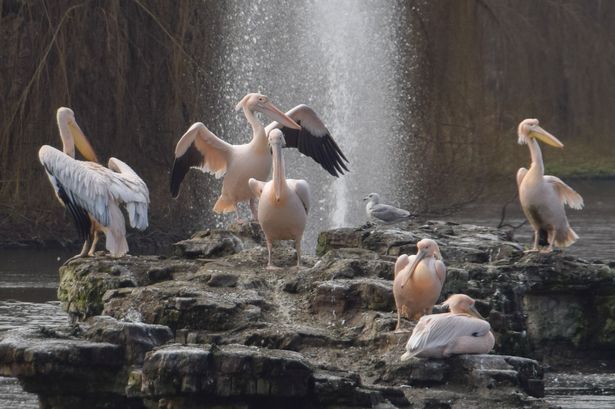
pixel 72 135
pixel 261 103
pixel 426 248
pixel 462 304
pixel 276 138
pixel 529 128
pixel 372 197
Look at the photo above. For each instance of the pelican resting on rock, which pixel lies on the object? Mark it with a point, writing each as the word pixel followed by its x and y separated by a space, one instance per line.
pixel 461 331
pixel 383 213
pixel 543 197
pixel 418 281
pixel 200 148
pixel 92 193
pixel 283 203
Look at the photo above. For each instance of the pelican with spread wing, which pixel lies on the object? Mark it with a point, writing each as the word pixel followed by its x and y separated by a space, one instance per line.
pixel 92 193
pixel 201 149
pixel 543 197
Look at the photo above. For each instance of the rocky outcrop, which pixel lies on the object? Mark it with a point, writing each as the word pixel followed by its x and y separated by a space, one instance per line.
pixel 216 327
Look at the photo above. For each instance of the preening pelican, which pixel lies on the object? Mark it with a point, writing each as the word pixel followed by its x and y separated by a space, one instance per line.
pixel 92 193
pixel 461 331
pixel 418 281
pixel 200 148
pixel 543 197
pixel 383 213
pixel 283 203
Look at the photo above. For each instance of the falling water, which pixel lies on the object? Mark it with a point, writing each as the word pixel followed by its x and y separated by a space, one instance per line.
pixel 341 58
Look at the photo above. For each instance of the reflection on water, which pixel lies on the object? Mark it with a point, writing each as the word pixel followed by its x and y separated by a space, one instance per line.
pixel 595 224
pixel 28 287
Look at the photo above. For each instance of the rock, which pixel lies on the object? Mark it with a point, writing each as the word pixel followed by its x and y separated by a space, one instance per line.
pixel 209 244
pixel 328 327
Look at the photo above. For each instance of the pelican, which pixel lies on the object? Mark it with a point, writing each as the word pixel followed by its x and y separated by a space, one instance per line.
pixel 418 281
pixel 283 203
pixel 383 213
pixel 201 149
pixel 93 193
pixel 461 331
pixel 543 197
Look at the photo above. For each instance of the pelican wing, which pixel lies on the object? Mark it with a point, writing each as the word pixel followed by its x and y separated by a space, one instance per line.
pixel 520 176
pixel 199 148
pixel 388 213
pixel 313 139
pixel 129 188
pixel 567 194
pixel 437 330
pixel 401 263
pixel 440 271
pixel 302 189
pixel 256 186
pixel 49 157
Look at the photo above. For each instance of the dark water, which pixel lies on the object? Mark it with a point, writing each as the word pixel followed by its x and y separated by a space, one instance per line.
pixel 595 224
pixel 29 279
pixel 28 285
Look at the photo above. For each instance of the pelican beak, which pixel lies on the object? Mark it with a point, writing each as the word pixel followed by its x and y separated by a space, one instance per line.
pixel 421 255
pixel 276 115
pixel 544 136
pixel 81 142
pixel 474 312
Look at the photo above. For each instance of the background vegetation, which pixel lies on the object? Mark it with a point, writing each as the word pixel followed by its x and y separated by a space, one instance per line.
pixel 137 73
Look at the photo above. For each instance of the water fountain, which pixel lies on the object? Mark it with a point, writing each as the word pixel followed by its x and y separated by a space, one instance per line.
pixel 341 58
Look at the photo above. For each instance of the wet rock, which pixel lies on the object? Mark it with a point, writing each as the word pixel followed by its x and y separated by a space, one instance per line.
pixel 340 296
pixel 209 244
pixel 134 337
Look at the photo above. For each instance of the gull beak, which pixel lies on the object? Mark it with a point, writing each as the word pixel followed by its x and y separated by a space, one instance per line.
pixel 544 136
pixel 420 256
pixel 276 115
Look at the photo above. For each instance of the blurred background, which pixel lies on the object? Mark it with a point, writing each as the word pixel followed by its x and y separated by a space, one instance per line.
pixel 424 98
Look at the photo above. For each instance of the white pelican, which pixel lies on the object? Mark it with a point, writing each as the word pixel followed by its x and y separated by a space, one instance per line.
pixel 200 148
pixel 283 203
pixel 543 197
pixel 418 281
pixel 461 331
pixel 92 193
pixel 383 213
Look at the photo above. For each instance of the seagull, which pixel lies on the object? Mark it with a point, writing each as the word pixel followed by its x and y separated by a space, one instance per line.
pixel 383 213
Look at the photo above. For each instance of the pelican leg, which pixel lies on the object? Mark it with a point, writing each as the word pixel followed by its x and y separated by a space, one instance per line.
pixel 298 249
pixel 536 239
pixel 84 251
pixel 93 246
pixel 551 240
pixel 238 219
pixel 270 265
pixel 254 209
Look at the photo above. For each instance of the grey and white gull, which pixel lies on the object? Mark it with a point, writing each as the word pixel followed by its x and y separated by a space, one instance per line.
pixel 383 213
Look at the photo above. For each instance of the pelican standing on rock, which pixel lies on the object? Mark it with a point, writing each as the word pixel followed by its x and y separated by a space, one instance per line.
pixel 200 148
pixel 461 331
pixel 543 197
pixel 383 213
pixel 418 281
pixel 93 193
pixel 283 203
